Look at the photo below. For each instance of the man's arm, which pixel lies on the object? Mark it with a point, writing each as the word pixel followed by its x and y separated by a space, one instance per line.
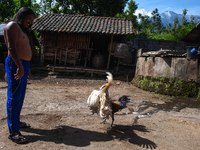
pixel 11 32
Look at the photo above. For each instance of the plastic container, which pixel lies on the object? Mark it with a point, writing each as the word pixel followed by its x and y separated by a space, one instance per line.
pixel 191 51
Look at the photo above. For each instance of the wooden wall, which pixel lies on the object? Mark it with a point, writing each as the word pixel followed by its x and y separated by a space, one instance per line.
pixel 63 48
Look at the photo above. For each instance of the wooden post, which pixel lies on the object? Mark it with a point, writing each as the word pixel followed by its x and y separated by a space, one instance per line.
pixel 66 56
pixel 60 56
pixel 42 55
pixel 86 57
pixel 42 50
pixel 55 57
pixel 75 58
pixel 108 64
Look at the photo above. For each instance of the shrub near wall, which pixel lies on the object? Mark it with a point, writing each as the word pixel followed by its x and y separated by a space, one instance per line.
pixel 172 87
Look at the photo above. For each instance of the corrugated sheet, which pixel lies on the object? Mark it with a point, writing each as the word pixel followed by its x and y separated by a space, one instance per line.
pixel 2 26
pixel 83 24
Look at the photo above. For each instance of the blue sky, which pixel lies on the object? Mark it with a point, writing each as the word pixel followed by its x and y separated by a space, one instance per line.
pixel 147 6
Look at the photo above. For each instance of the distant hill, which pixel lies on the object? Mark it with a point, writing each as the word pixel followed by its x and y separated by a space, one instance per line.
pixel 169 16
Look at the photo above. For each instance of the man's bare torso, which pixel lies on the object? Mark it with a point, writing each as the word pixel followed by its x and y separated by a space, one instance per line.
pixel 22 42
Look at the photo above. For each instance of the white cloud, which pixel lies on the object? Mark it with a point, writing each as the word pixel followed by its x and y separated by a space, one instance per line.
pixel 143 12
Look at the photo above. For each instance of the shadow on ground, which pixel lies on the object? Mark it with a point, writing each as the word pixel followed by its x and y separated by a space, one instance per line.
pixel 79 137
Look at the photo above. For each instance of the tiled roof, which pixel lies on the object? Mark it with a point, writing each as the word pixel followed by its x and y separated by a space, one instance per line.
pixel 83 24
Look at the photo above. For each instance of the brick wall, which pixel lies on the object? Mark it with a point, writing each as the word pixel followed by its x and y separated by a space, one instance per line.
pixel 153 45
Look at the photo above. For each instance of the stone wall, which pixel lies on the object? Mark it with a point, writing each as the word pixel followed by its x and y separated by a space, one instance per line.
pixel 169 67
pixel 153 45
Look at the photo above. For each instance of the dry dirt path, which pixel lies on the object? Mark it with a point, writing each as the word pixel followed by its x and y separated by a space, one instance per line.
pixel 60 119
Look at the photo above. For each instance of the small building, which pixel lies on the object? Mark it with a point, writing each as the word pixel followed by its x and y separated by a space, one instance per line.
pixel 193 37
pixel 192 40
pixel 79 40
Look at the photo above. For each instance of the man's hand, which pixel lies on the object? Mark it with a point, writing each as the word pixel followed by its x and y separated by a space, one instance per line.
pixel 19 73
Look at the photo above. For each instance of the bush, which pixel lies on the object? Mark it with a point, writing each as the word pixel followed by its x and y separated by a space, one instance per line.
pixel 172 87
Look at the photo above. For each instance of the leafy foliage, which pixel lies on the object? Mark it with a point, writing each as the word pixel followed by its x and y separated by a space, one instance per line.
pixel 87 7
pixel 172 86
pixel 148 27
pixel 129 14
pixel 7 8
pixel 152 28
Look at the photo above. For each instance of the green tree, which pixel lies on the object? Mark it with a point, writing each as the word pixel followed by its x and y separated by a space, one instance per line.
pixel 7 8
pixel 46 6
pixel 87 7
pixel 62 6
pixel 129 14
pixel 132 7
pixel 169 26
pixel 98 7
pixel 192 18
pixel 184 20
pixel 175 24
pixel 156 21
pixel 143 26
pixel 30 4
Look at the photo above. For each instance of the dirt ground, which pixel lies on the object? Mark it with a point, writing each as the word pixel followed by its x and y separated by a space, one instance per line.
pixel 60 118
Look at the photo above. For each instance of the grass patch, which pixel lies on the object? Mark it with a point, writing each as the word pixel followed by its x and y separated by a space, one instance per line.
pixel 172 87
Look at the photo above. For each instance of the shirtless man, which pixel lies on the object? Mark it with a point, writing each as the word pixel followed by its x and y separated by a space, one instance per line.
pixel 17 69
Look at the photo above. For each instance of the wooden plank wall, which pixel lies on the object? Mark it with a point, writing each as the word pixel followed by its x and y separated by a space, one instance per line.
pixel 64 48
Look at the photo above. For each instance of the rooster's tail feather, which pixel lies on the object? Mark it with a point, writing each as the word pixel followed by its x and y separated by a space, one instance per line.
pixel 106 86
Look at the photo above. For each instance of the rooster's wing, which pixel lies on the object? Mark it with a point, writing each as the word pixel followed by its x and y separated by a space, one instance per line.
pixel 94 98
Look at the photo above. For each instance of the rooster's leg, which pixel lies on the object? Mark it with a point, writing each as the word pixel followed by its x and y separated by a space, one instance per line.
pixel 112 120
pixel 103 121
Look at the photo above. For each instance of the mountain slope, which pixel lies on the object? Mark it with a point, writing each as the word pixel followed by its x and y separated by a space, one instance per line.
pixel 169 16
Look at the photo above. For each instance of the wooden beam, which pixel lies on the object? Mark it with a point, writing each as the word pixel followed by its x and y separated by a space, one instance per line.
pixel 108 64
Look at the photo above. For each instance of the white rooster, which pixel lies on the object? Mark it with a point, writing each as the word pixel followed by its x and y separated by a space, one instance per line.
pixel 99 100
